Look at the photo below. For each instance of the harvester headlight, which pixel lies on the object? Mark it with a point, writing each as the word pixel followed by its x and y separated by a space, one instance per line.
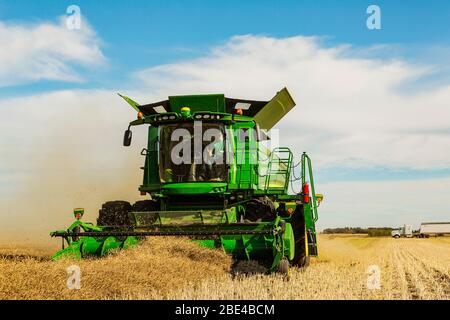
pixel 198 116
pixel 165 118
pixel 172 117
pixel 185 112
pixel 206 116
pixel 78 213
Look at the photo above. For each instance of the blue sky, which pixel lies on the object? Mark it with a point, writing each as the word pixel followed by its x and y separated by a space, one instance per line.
pixel 373 105
pixel 148 33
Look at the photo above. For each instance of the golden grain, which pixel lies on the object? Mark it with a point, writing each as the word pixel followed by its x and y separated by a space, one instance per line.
pixel 173 268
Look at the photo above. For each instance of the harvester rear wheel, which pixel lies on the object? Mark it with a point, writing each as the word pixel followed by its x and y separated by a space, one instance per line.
pixel 146 206
pixel 261 209
pixel 115 213
pixel 301 258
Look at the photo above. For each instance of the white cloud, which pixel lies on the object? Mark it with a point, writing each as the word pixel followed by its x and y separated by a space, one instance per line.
pixel 350 110
pixel 46 51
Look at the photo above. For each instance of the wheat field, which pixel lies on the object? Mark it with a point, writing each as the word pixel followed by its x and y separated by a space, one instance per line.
pixel 168 268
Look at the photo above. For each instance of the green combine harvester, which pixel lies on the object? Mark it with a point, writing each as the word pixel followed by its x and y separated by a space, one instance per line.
pixel 210 177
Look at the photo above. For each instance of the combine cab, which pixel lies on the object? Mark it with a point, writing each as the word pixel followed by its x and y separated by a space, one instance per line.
pixel 209 176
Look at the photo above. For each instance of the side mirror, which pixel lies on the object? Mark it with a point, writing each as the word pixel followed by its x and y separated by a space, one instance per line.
pixel 127 138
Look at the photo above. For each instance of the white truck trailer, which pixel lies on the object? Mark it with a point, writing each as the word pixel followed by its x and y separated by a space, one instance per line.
pixel 405 231
pixel 434 229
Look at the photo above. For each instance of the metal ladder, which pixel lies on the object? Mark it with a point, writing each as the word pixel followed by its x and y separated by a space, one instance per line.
pixel 307 169
pixel 308 172
pixel 280 164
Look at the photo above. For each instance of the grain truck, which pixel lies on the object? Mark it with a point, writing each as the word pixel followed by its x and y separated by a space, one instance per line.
pixel 434 229
pixel 404 231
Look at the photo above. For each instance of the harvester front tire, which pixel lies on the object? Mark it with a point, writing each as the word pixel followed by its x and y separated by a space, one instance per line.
pixel 115 213
pixel 301 258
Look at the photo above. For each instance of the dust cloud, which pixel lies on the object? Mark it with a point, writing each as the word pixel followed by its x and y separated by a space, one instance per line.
pixel 60 151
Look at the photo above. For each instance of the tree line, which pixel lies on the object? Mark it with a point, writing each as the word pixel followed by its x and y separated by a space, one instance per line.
pixel 373 232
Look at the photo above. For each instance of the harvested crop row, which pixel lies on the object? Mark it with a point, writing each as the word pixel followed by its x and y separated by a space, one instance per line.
pixel 408 269
pixel 174 268
pixel 159 265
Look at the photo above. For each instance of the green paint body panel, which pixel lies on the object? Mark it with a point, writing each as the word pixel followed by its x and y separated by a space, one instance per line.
pixel 211 209
pixel 275 110
pixel 194 187
pixel 207 102
pixel 251 247
pixel 90 246
pixel 94 246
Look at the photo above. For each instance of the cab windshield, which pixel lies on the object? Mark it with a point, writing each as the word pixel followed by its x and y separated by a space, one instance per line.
pixel 192 152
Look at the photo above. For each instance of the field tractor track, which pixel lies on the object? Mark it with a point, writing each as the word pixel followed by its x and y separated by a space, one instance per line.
pixel 444 280
pixel 23 257
pixel 433 282
pixel 399 281
pixel 413 291
pixel 405 287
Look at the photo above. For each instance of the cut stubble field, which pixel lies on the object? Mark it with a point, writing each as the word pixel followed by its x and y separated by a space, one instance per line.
pixel 168 268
